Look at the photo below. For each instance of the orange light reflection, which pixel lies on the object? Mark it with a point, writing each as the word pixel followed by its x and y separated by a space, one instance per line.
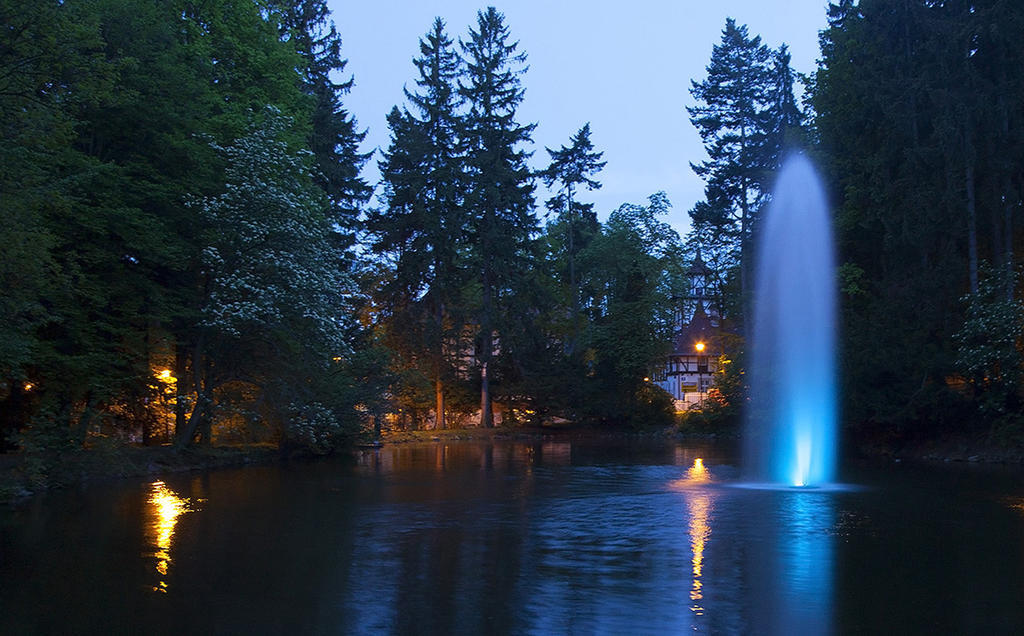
pixel 164 509
pixel 699 506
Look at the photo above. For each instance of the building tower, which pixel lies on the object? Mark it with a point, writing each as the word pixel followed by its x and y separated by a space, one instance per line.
pixel 690 368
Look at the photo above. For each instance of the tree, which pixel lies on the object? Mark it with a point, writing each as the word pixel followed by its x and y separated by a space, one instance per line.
pixel 747 116
pixel 916 134
pixel 334 137
pixel 729 115
pixel 572 168
pixel 630 311
pixel 988 349
pixel 420 231
pixel 277 306
pixel 499 192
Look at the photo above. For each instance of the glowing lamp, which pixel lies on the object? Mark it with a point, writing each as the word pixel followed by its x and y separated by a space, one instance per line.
pixel 699 347
pixel 29 386
pixel 165 375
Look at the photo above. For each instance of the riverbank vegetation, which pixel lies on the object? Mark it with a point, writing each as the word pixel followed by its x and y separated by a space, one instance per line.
pixel 191 255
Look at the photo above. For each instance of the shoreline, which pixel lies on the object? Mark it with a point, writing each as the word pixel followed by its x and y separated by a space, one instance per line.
pixel 22 477
pixel 948 449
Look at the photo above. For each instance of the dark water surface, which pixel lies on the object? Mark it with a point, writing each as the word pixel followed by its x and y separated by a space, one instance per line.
pixel 547 538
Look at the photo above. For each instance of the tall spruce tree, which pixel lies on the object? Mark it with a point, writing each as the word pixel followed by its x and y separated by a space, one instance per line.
pixel 731 116
pixel 334 133
pixel 499 183
pixel 420 230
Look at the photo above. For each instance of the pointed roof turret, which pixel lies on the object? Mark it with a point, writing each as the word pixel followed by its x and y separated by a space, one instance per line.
pixel 698 267
pixel 700 330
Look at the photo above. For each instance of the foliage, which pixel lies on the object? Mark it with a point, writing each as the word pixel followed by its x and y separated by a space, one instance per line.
pixel 274 313
pixel 989 348
pixel 420 231
pixel 747 117
pixel 919 125
pixel 629 306
pixel 108 113
pixel 499 185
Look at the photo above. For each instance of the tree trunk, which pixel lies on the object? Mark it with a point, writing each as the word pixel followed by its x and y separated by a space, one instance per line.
pixel 486 349
pixel 574 301
pixel 85 419
pixel 1009 201
pixel 200 382
pixel 439 420
pixel 486 414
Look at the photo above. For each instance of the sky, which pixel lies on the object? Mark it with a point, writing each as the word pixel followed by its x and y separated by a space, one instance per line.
pixel 625 67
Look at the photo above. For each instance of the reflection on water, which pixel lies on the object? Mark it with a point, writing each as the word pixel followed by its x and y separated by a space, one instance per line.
pixel 699 507
pixel 163 509
pixel 805 569
pixel 514 538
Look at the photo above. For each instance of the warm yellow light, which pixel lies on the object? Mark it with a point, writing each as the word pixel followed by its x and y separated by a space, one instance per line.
pixel 699 346
pixel 336 358
pixel 29 386
pixel 697 473
pixel 165 375
pixel 700 530
pixel 646 379
pixel 165 508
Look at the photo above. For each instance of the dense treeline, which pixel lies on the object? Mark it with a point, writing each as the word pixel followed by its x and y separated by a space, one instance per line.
pixel 190 253
pixel 478 303
pixel 916 117
pixel 180 188
pixel 920 128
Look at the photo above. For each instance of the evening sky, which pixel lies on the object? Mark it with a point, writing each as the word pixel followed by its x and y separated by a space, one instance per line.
pixel 623 66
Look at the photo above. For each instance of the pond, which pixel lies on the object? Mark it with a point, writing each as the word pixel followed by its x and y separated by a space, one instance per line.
pixel 595 536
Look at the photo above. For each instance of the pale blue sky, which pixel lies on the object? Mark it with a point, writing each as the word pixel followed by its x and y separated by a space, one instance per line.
pixel 623 66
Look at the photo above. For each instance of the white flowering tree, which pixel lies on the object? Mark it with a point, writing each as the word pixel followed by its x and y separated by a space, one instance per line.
pixel 277 302
pixel 989 346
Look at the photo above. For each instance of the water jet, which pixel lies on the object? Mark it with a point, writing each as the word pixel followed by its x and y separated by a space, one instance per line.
pixel 790 436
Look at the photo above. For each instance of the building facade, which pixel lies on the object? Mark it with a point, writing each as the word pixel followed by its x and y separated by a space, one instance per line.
pixel 690 368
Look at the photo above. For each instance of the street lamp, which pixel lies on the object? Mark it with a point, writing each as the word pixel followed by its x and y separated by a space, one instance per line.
pixel 700 373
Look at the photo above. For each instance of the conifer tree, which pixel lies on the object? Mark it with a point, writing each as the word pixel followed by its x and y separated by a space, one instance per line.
pixel 730 116
pixel 499 182
pixel 571 169
pixel 421 228
pixel 334 136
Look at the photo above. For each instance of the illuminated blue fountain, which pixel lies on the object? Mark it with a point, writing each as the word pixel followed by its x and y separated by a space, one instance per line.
pixel 791 424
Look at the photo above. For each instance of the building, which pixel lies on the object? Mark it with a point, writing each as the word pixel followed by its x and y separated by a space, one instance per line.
pixel 689 371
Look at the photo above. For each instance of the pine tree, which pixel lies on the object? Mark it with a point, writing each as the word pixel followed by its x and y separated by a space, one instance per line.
pixel 334 136
pixel 784 122
pixel 421 228
pixel 571 168
pixel 730 116
pixel 499 182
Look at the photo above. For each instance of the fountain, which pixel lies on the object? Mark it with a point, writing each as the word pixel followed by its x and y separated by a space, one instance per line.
pixel 791 426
